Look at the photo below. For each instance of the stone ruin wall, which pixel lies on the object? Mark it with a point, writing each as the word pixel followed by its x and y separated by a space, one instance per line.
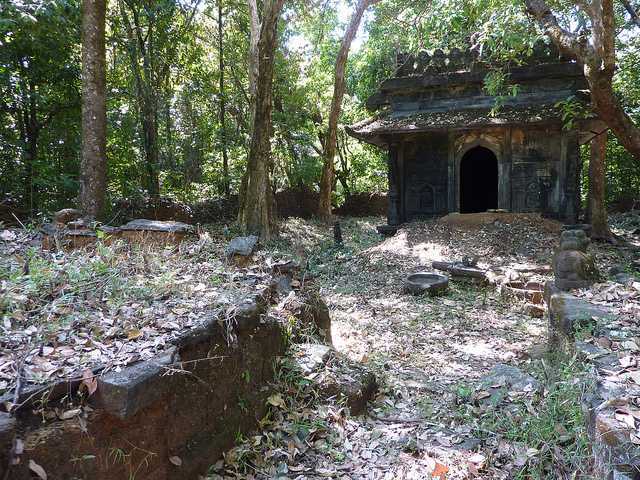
pixel 187 404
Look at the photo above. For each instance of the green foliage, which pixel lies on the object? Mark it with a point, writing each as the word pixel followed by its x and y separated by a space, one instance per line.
pixel 553 419
pixel 573 110
pixel 175 67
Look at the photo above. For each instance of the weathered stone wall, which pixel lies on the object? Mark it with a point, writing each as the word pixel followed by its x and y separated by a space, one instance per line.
pixel 426 175
pixel 538 171
pixel 167 418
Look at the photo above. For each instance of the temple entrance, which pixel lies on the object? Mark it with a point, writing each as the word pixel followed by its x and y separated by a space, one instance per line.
pixel 478 181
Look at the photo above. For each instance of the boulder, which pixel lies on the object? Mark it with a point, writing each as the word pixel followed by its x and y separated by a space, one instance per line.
pixel 240 249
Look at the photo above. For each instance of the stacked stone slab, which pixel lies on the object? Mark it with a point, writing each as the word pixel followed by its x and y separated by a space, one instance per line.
pixel 615 453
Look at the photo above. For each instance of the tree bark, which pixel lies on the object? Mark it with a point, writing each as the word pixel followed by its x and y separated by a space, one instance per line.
pixel 223 127
pixel 257 211
pixel 149 114
pixel 93 166
pixel 329 151
pixel 597 188
pixel 597 59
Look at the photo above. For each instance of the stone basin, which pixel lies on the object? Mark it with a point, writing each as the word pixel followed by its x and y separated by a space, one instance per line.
pixel 421 282
pixel 531 291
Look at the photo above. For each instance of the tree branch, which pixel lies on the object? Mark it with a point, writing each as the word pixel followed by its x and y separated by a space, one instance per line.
pixel 571 44
pixel 632 12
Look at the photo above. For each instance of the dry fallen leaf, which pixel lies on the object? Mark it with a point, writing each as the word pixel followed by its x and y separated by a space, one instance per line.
pixel 177 461
pixel 69 414
pixel 276 400
pixel 134 333
pixel 37 469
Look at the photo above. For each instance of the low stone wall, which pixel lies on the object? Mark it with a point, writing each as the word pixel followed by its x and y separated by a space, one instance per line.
pixel 615 444
pixel 167 418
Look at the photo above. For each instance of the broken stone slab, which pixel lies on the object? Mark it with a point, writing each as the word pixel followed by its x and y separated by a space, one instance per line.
pixel 285 267
pixel 66 215
pixel 146 225
pixel 566 314
pixel 585 227
pixel 503 379
pixel 243 246
pixel 125 393
pixel 534 310
pixel 600 357
pixel 312 357
pixel 458 270
pixel 530 291
pixel 335 376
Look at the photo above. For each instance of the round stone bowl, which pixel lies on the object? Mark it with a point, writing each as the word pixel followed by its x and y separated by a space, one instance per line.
pixel 531 291
pixel 426 282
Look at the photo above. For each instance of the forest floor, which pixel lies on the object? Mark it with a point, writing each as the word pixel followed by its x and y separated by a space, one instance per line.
pixel 429 419
pixel 430 416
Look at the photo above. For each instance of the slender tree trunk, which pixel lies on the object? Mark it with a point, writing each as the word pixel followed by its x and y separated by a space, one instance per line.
pixel 257 213
pixel 223 127
pixel 150 143
pixel 597 186
pixel 329 150
pixel 254 38
pixel 252 74
pixel 93 166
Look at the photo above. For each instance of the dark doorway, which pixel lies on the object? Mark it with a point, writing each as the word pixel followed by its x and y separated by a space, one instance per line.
pixel 478 181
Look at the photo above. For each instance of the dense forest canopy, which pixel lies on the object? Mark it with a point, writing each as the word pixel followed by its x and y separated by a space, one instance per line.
pixel 179 94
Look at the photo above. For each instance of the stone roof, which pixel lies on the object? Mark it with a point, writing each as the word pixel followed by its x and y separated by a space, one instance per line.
pixel 371 129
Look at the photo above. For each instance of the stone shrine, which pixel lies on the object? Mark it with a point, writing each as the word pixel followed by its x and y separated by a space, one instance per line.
pixel 450 149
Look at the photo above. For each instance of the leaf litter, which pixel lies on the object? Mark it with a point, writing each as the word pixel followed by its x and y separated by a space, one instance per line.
pixel 63 314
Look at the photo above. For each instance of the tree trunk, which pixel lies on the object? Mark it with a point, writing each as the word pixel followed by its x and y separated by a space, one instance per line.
pixel 93 166
pixel 252 74
pixel 150 143
pixel 597 183
pixel 329 151
pixel 257 212
pixel 223 128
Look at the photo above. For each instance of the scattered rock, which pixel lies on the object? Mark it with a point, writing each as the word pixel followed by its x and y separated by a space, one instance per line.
pixel 335 376
pixel 241 247
pixel 502 380
pixel 623 278
pixel 533 310
pixel 66 215
pixel 311 357
pixel 566 314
